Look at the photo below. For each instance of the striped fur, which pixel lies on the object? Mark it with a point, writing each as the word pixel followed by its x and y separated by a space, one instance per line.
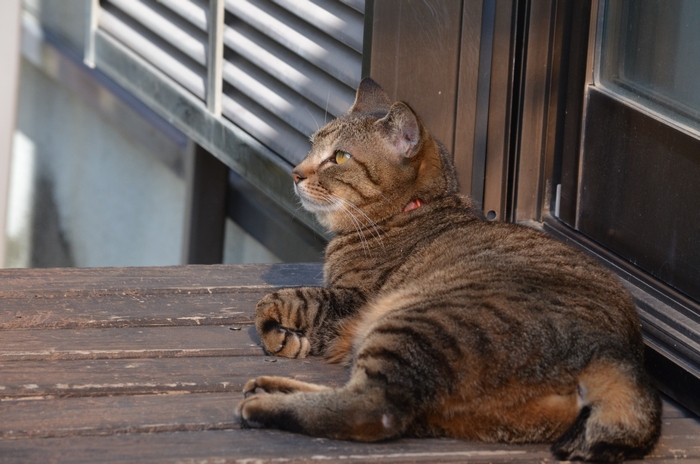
pixel 452 325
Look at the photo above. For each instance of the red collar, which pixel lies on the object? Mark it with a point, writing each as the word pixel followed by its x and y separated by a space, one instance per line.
pixel 413 204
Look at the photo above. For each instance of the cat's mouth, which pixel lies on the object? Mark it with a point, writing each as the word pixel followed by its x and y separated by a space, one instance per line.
pixel 315 199
pixel 313 205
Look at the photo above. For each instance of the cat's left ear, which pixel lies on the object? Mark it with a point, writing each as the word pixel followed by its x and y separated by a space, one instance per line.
pixel 402 128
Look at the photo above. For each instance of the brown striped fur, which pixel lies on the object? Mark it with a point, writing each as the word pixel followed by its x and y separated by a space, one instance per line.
pixel 454 326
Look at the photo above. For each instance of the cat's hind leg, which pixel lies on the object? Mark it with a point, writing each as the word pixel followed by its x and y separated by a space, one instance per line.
pixel 269 384
pixel 358 411
pixel 620 417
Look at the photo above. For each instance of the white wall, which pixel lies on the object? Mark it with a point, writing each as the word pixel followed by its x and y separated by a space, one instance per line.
pixel 9 64
pixel 85 193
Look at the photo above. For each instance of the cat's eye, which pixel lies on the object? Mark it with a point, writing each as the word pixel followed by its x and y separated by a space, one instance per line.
pixel 341 156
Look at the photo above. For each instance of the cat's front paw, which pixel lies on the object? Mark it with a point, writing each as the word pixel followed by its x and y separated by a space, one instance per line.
pixel 281 341
pixel 274 314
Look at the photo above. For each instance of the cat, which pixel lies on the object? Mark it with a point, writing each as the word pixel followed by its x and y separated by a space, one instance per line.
pixel 454 326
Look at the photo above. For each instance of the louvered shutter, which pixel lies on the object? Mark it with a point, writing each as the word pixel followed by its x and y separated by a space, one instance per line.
pixel 287 66
pixel 170 34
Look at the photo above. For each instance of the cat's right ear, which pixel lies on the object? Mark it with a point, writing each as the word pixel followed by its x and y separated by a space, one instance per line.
pixel 370 98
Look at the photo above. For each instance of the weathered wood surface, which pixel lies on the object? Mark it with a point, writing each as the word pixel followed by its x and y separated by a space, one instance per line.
pixel 131 342
pixel 147 365
pixel 49 283
pixel 140 310
pixel 142 376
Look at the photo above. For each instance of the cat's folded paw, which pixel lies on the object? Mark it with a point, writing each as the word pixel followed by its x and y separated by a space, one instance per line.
pixel 281 341
pixel 277 321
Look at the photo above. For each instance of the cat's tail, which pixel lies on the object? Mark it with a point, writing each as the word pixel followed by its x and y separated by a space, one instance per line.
pixel 619 419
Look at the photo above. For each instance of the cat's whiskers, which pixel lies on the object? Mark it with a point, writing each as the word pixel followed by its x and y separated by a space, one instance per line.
pixel 312 117
pixel 342 206
pixel 355 221
pixel 391 202
pixel 370 222
pixel 376 235
pixel 352 205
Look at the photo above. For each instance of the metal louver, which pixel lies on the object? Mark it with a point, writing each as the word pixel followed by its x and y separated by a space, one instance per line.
pixel 169 34
pixel 286 66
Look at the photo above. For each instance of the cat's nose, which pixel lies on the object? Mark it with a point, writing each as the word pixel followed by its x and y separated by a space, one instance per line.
pixel 297 177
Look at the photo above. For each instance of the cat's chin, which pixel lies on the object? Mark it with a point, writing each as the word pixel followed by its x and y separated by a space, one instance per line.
pixel 317 208
pixel 324 212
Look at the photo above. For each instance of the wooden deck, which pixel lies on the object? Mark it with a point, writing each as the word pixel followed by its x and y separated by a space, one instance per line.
pixel 147 365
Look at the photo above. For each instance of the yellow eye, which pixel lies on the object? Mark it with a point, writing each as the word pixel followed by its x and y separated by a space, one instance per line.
pixel 341 156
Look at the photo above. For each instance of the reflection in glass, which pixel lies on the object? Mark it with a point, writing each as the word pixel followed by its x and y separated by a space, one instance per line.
pixel 650 52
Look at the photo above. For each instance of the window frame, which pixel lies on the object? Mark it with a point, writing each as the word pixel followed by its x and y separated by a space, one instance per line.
pixel 549 155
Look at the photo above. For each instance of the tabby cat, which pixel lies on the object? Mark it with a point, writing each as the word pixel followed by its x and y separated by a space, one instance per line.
pixel 454 326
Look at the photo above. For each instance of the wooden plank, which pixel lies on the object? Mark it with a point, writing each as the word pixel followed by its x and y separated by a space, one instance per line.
pixel 177 411
pixel 252 446
pixel 143 310
pixel 680 440
pixel 673 410
pixel 32 283
pixel 147 376
pixel 129 343
pixel 66 398
pixel 169 413
pixel 63 417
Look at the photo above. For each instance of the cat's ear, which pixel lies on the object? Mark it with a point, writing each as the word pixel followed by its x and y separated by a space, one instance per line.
pixel 370 98
pixel 402 129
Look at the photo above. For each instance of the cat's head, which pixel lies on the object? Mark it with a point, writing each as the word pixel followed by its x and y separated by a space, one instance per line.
pixel 376 161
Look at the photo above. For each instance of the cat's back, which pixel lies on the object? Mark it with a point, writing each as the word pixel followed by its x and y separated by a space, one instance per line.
pixel 448 243
pixel 450 233
pixel 485 267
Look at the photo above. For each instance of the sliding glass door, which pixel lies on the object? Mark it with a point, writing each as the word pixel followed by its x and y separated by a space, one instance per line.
pixel 635 188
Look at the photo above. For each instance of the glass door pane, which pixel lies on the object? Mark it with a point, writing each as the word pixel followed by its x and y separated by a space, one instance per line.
pixel 639 190
pixel 650 53
pixel 630 176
